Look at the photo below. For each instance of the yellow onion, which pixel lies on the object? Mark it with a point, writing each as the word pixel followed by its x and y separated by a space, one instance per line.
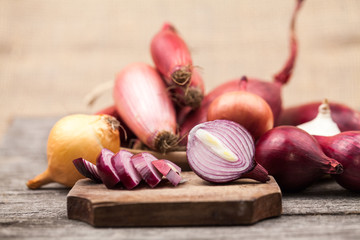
pixel 76 136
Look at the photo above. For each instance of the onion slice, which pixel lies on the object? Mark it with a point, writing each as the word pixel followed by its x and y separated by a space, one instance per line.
pixel 169 170
pixel 142 163
pixel 221 151
pixel 105 168
pixel 125 169
pixel 87 169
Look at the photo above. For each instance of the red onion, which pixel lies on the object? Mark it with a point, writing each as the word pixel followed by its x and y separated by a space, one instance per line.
pixel 345 117
pixel 294 158
pixel 345 148
pixel 171 56
pixel 125 169
pixel 221 151
pixel 143 103
pixel 248 109
pixel 168 170
pixel 269 91
pixel 105 168
pixel 142 163
pixel 87 169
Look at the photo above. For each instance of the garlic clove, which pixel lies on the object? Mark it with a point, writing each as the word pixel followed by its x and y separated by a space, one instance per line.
pixel 322 124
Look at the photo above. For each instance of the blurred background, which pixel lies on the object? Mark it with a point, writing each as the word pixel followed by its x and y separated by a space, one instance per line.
pixel 53 53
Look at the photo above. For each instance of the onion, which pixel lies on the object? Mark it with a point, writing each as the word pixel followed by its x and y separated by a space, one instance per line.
pixel 346 118
pixel 171 56
pixel 345 148
pixel 87 169
pixel 294 158
pixel 221 151
pixel 245 108
pixel 125 169
pixel 76 136
pixel 106 170
pixel 169 170
pixel 269 91
pixel 143 103
pixel 142 163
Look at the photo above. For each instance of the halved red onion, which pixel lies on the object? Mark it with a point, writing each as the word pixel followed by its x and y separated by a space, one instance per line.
pixel 106 170
pixel 221 151
pixel 142 163
pixel 87 169
pixel 169 170
pixel 125 169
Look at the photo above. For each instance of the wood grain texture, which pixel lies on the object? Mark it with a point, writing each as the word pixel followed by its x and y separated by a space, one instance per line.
pixel 192 203
pixel 323 211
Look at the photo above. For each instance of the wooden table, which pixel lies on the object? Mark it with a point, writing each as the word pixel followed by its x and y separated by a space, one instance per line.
pixel 324 211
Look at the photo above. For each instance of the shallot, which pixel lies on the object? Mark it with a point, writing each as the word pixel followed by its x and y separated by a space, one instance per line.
pixel 142 101
pixel 221 151
pixel 294 158
pixel 345 148
pixel 171 56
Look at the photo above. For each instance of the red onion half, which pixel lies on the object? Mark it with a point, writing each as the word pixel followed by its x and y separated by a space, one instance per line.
pixel 345 148
pixel 221 151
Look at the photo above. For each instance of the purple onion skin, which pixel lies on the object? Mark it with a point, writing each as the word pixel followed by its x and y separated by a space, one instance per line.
pixel 105 168
pixel 294 158
pixel 214 168
pixel 345 148
pixel 125 169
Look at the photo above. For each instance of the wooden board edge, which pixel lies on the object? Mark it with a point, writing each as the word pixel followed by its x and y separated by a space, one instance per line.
pixel 79 209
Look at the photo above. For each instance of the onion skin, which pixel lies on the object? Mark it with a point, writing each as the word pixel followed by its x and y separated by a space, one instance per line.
pixel 142 101
pixel 171 56
pixel 247 109
pixel 76 136
pixel 345 117
pixel 294 158
pixel 345 148
pixel 212 167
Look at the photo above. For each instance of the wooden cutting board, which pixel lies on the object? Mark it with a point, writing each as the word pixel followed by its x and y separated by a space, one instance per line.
pixel 192 203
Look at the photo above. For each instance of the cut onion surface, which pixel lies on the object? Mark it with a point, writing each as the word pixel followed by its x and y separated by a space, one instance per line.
pixel 221 151
pixel 125 169
pixel 169 170
pixel 87 169
pixel 106 170
pixel 142 163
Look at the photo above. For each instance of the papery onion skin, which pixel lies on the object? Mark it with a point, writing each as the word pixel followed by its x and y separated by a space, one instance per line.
pixel 247 109
pixel 76 136
pixel 344 116
pixel 143 102
pixel 294 158
pixel 345 148
pixel 171 56
pixel 213 168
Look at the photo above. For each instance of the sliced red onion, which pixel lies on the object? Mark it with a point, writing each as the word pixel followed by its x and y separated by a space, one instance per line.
pixel 87 169
pixel 106 170
pixel 169 170
pixel 125 169
pixel 220 151
pixel 142 163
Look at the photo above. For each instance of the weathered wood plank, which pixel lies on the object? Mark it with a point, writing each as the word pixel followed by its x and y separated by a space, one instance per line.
pixel 323 211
